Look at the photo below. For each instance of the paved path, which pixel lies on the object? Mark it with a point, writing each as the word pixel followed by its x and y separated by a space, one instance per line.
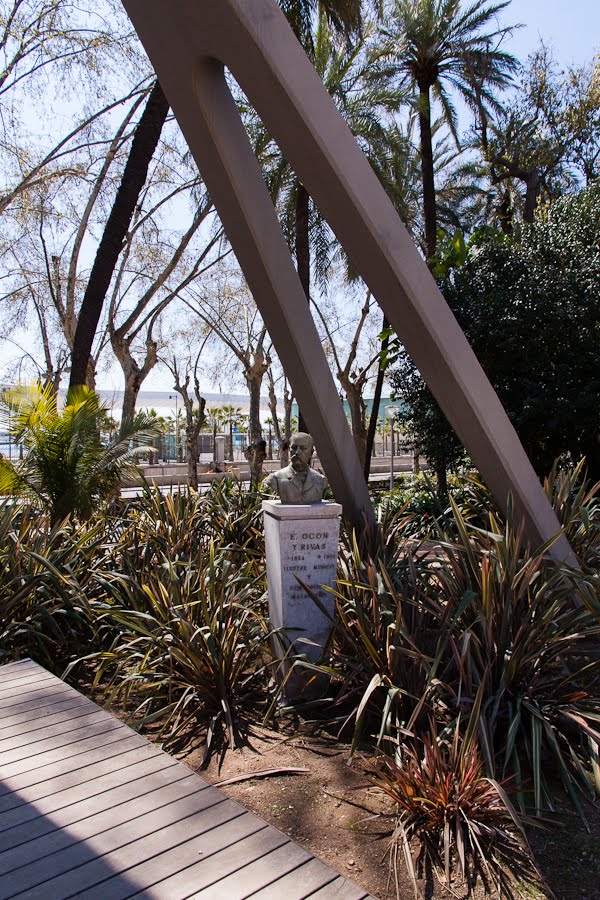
pixel 90 809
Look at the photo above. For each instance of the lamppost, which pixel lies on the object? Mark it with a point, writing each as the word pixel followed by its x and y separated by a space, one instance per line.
pixel 392 412
pixel 175 397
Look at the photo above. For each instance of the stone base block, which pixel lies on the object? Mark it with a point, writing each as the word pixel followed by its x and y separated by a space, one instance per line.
pixel 301 542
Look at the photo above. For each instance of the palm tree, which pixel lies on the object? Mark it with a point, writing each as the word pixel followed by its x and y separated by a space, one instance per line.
pixel 360 81
pixel 67 466
pixel 344 16
pixel 438 47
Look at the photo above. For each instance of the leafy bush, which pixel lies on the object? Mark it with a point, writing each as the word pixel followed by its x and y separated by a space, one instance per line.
pixel 427 515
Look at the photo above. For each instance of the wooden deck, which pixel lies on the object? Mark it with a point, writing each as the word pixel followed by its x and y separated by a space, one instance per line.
pixel 90 809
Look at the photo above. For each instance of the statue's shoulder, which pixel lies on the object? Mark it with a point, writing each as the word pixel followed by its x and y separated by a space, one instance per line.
pixel 318 477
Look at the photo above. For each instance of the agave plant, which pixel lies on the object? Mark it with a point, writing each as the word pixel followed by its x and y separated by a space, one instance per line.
pixel 67 468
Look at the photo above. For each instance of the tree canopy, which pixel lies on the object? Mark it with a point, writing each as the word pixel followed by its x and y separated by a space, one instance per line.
pixel 531 311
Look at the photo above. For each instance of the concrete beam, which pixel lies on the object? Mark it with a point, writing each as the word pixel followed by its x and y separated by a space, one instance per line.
pixel 189 43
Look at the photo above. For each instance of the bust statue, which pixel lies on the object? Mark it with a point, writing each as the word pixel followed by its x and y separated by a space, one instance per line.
pixel 298 483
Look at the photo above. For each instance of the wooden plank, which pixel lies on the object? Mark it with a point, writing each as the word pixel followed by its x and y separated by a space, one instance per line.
pixel 62 748
pixel 109 874
pixel 66 862
pixel 258 874
pixel 23 681
pixel 89 808
pixel 30 721
pixel 302 882
pixel 221 856
pixel 85 791
pixel 93 815
pixel 112 744
pixel 340 889
pixel 7 711
pixel 20 666
pixel 29 698
pixel 122 760
pixel 44 738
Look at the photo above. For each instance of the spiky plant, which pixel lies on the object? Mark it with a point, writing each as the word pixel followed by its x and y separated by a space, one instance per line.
pixel 462 820
pixel 189 648
pixel 525 656
pixel 45 581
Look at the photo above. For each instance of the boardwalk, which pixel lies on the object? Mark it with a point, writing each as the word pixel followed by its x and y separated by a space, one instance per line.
pixel 90 809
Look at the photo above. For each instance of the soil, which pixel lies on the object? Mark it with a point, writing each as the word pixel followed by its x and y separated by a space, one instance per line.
pixel 335 813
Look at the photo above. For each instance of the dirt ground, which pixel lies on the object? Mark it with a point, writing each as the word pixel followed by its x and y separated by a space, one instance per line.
pixel 332 810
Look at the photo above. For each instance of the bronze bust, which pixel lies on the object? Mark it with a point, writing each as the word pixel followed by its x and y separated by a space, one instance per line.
pixel 298 483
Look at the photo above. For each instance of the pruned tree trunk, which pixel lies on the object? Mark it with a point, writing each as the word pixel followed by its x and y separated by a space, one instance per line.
pixel 288 402
pixel 143 146
pixel 257 449
pixel 194 420
pixel 133 372
pixel 273 411
pixel 357 406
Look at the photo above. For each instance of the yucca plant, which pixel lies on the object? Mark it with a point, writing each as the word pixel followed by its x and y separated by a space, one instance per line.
pixel 389 634
pixel 172 524
pixel 46 576
pixel 576 502
pixel 525 656
pixel 461 820
pixel 67 467
pixel 190 648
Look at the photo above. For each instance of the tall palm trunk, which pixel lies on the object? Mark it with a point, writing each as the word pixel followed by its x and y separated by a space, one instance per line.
pixel 427 174
pixel 303 256
pixel 144 144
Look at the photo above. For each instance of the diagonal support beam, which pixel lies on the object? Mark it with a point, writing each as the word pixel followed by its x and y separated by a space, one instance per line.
pixel 189 42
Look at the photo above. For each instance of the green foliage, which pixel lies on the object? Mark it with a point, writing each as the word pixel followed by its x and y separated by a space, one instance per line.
pixel 387 637
pixel 531 312
pixel 524 655
pixel 426 514
pixel 180 615
pixel 67 467
pixel 188 646
pixel 45 576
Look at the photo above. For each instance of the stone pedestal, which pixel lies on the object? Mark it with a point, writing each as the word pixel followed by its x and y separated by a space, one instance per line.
pixel 300 540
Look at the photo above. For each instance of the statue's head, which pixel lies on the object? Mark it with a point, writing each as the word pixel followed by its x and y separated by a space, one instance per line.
pixel 301 451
